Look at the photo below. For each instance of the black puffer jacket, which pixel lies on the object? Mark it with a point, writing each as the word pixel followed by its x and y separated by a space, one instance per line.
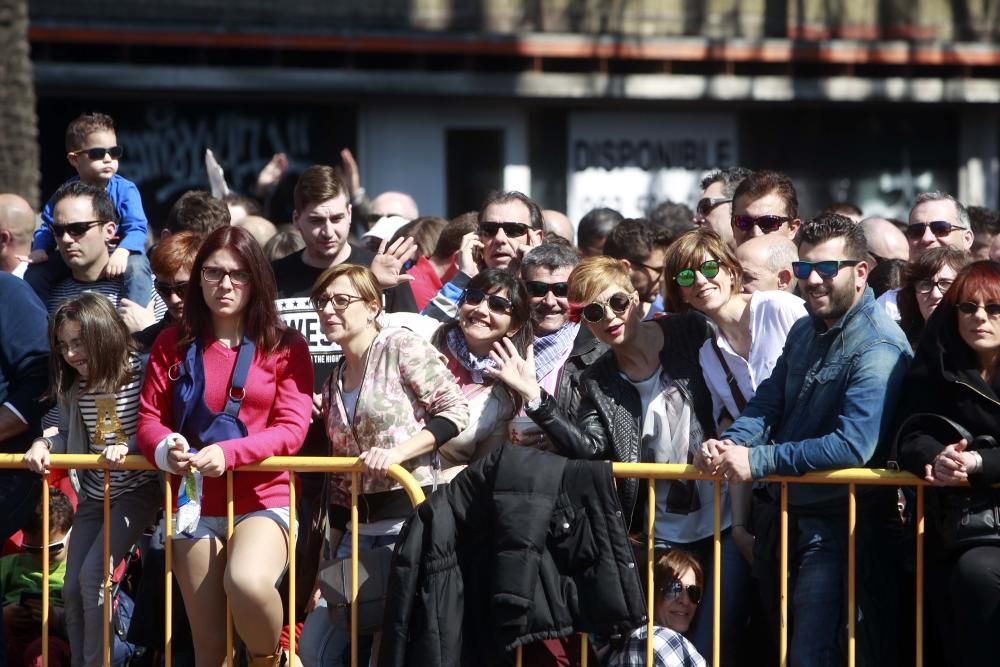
pixel 944 379
pixel 523 545
pixel 608 422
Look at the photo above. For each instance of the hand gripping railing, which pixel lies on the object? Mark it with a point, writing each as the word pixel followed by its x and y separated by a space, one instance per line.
pixel 277 463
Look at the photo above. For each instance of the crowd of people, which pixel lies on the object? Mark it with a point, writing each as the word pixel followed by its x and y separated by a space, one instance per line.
pixel 742 338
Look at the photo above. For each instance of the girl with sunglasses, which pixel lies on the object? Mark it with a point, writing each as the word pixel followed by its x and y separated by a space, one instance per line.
pixel 389 400
pixel 493 308
pixel 96 379
pixel 644 400
pixel 955 376
pixel 677 581
pixel 229 386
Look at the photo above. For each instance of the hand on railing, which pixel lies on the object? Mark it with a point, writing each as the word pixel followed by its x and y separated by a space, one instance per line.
pixel 726 458
pixel 37 457
pixel 114 455
pixel 210 461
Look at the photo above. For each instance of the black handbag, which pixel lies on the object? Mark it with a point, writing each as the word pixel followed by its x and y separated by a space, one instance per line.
pixel 373 580
pixel 964 518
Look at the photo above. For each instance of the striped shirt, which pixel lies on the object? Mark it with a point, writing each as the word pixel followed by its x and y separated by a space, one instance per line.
pixel 126 402
pixel 70 288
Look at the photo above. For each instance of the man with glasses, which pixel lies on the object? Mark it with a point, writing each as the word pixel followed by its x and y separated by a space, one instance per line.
pixel 936 219
pixel 510 224
pixel 827 405
pixel 83 222
pixel 641 245
pixel 765 203
pixel 715 207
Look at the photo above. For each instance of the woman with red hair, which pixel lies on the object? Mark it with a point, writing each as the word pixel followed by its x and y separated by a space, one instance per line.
pixel 950 416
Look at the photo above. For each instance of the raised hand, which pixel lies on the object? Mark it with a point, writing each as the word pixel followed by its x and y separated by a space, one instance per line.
pixel 513 370
pixel 388 263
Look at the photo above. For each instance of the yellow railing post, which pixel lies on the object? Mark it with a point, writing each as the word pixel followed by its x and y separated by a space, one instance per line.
pixel 108 568
pixel 783 580
pixel 650 566
pixel 354 569
pixel 168 573
pixel 291 568
pixel 229 538
pixel 852 516
pixel 46 529
pixel 717 577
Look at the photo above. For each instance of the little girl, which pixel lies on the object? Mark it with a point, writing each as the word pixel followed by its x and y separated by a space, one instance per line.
pixel 96 377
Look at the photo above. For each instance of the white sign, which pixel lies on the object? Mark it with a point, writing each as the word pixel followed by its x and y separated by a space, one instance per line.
pixel 633 161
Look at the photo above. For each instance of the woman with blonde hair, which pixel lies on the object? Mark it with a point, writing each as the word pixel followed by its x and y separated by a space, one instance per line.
pixel 645 400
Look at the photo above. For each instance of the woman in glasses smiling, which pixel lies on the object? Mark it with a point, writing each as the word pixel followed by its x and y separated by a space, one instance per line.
pixel 955 375
pixel 229 386
pixel 493 308
pixel 644 400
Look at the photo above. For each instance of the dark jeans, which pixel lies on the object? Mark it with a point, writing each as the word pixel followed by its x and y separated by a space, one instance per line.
pixel 138 277
pixel 974 588
pixel 817 575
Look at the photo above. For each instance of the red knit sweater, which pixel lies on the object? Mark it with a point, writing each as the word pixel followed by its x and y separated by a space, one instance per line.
pixel 276 410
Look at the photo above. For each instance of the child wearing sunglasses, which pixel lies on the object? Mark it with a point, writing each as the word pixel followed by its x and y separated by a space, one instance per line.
pixel 92 149
pixel 21 587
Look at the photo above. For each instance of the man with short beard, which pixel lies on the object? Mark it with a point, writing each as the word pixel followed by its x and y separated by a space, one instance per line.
pixel 826 405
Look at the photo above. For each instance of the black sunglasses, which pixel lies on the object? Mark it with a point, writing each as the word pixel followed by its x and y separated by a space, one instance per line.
pixel 494 302
pixel 98 152
pixel 74 229
pixel 707 204
pixel 537 289
pixel 825 269
pixel 511 229
pixel 940 228
pixel 166 289
pixel 595 312
pixel 969 308
pixel 767 223
pixel 676 589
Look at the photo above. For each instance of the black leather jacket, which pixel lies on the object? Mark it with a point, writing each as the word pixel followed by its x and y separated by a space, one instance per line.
pixel 586 350
pixel 608 422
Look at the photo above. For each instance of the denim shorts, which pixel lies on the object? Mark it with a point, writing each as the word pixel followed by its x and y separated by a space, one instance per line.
pixel 215 526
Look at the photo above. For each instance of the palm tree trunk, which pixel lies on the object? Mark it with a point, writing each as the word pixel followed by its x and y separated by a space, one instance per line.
pixel 18 119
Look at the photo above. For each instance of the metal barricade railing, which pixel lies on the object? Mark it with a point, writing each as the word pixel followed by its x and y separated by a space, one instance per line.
pixel 278 463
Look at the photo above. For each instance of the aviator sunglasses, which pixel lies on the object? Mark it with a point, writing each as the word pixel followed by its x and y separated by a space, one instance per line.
pixel 940 229
pixel 74 229
pixel 707 204
pixel 511 229
pixel 166 289
pixel 969 308
pixel 496 303
pixel 825 269
pixel 676 589
pixel 709 268
pixel 98 152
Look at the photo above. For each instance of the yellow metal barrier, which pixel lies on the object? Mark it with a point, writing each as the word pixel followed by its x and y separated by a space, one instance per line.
pixel 278 463
pixel 649 472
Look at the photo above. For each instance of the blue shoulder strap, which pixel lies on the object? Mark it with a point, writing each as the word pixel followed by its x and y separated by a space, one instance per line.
pixel 244 359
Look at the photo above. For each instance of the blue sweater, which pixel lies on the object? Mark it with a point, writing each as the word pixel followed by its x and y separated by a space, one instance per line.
pixel 132 223
pixel 24 357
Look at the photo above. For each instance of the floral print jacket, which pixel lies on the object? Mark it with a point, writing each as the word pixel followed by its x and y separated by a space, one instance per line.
pixel 406 382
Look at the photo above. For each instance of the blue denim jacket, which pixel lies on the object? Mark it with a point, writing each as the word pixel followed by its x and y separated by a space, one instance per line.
pixel 829 400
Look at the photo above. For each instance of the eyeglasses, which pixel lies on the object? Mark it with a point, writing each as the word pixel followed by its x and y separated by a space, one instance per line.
pixel 927 286
pixel 826 269
pixel 709 268
pixel 74 229
pixel 676 589
pixel 166 289
pixel 511 229
pixel 969 308
pixel 767 223
pixel 595 312
pixel 54 547
pixel 538 289
pixel 341 302
pixel 707 204
pixel 98 152
pixel 940 229
pixel 496 303
pixel 215 274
